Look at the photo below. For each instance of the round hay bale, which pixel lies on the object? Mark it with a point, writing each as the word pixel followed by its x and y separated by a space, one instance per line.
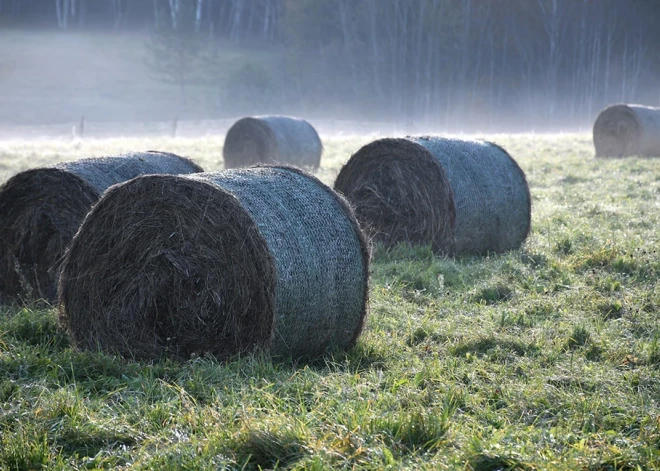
pixel 626 130
pixel 217 263
pixel 272 140
pixel 41 210
pixel 462 197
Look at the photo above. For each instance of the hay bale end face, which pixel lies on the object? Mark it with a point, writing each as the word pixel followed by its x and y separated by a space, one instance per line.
pixel 41 210
pixel 272 140
pixel 221 263
pixel 462 197
pixel 627 130
pixel 395 186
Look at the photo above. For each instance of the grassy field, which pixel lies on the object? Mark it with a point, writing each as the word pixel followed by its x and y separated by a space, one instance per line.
pixel 543 358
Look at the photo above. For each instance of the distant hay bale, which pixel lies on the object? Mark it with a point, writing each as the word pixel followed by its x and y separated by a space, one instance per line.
pixel 42 208
pixel 272 140
pixel 626 130
pixel 462 197
pixel 263 258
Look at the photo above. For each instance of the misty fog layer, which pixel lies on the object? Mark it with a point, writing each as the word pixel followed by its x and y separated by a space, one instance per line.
pixel 417 65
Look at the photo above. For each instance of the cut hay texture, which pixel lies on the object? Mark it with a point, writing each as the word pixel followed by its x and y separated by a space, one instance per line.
pixel 41 210
pixel 264 258
pixel 461 197
pixel 272 140
pixel 626 130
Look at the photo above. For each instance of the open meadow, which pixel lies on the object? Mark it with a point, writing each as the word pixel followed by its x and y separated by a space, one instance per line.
pixel 547 357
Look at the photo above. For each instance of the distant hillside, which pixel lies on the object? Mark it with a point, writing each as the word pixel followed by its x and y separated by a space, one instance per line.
pixel 57 76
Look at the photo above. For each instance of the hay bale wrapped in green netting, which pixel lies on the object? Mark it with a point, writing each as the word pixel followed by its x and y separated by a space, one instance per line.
pixel 42 208
pixel 462 197
pixel 272 140
pixel 263 258
pixel 625 130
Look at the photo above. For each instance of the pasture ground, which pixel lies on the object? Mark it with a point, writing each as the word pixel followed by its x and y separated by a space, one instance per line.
pixel 543 358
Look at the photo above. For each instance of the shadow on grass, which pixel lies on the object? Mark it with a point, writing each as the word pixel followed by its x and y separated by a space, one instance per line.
pixel 266 448
pixel 489 345
pixel 493 294
pixel 488 462
pixel 360 358
pixel 407 433
pixel 89 440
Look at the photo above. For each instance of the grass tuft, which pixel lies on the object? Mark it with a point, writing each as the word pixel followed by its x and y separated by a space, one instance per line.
pixel 494 462
pixel 579 337
pixel 411 431
pixel 494 294
pixel 275 445
pixel 23 451
pixel 36 328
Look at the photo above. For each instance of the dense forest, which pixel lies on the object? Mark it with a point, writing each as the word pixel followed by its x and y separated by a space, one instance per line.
pixel 439 62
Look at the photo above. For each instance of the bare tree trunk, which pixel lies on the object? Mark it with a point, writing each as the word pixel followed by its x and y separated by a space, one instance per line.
pixel 198 15
pixel 375 55
pixel 595 69
pixel 636 67
pixel 500 92
pixel 402 69
pixel 118 12
pixel 65 13
pixel 348 42
pixel 58 12
pixel 237 7
pixel 491 86
pixel 156 15
pixel 266 25
pixel 209 18
pixel 551 22
pixel 608 57
pixel 391 27
pixel 428 89
pixel 80 12
pixel 182 78
pixel 580 66
pixel 624 64
pixel 250 22
pixel 175 6
pixel 477 70
pixel 418 58
pixel 465 57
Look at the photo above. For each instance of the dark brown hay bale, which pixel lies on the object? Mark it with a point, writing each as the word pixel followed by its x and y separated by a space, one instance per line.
pixel 462 197
pixel 271 140
pixel 262 258
pixel 625 130
pixel 41 210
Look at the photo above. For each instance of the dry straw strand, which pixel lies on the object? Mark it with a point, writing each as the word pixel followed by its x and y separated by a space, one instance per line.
pixel 218 263
pixel 462 197
pixel 41 210
pixel 272 140
pixel 626 130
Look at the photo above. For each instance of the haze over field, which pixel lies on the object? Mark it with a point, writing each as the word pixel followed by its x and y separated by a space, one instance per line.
pixel 414 66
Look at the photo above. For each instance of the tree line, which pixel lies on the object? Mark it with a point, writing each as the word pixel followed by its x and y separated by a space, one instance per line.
pixel 489 63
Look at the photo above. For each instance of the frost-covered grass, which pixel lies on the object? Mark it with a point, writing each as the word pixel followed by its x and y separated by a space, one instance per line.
pixel 543 358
